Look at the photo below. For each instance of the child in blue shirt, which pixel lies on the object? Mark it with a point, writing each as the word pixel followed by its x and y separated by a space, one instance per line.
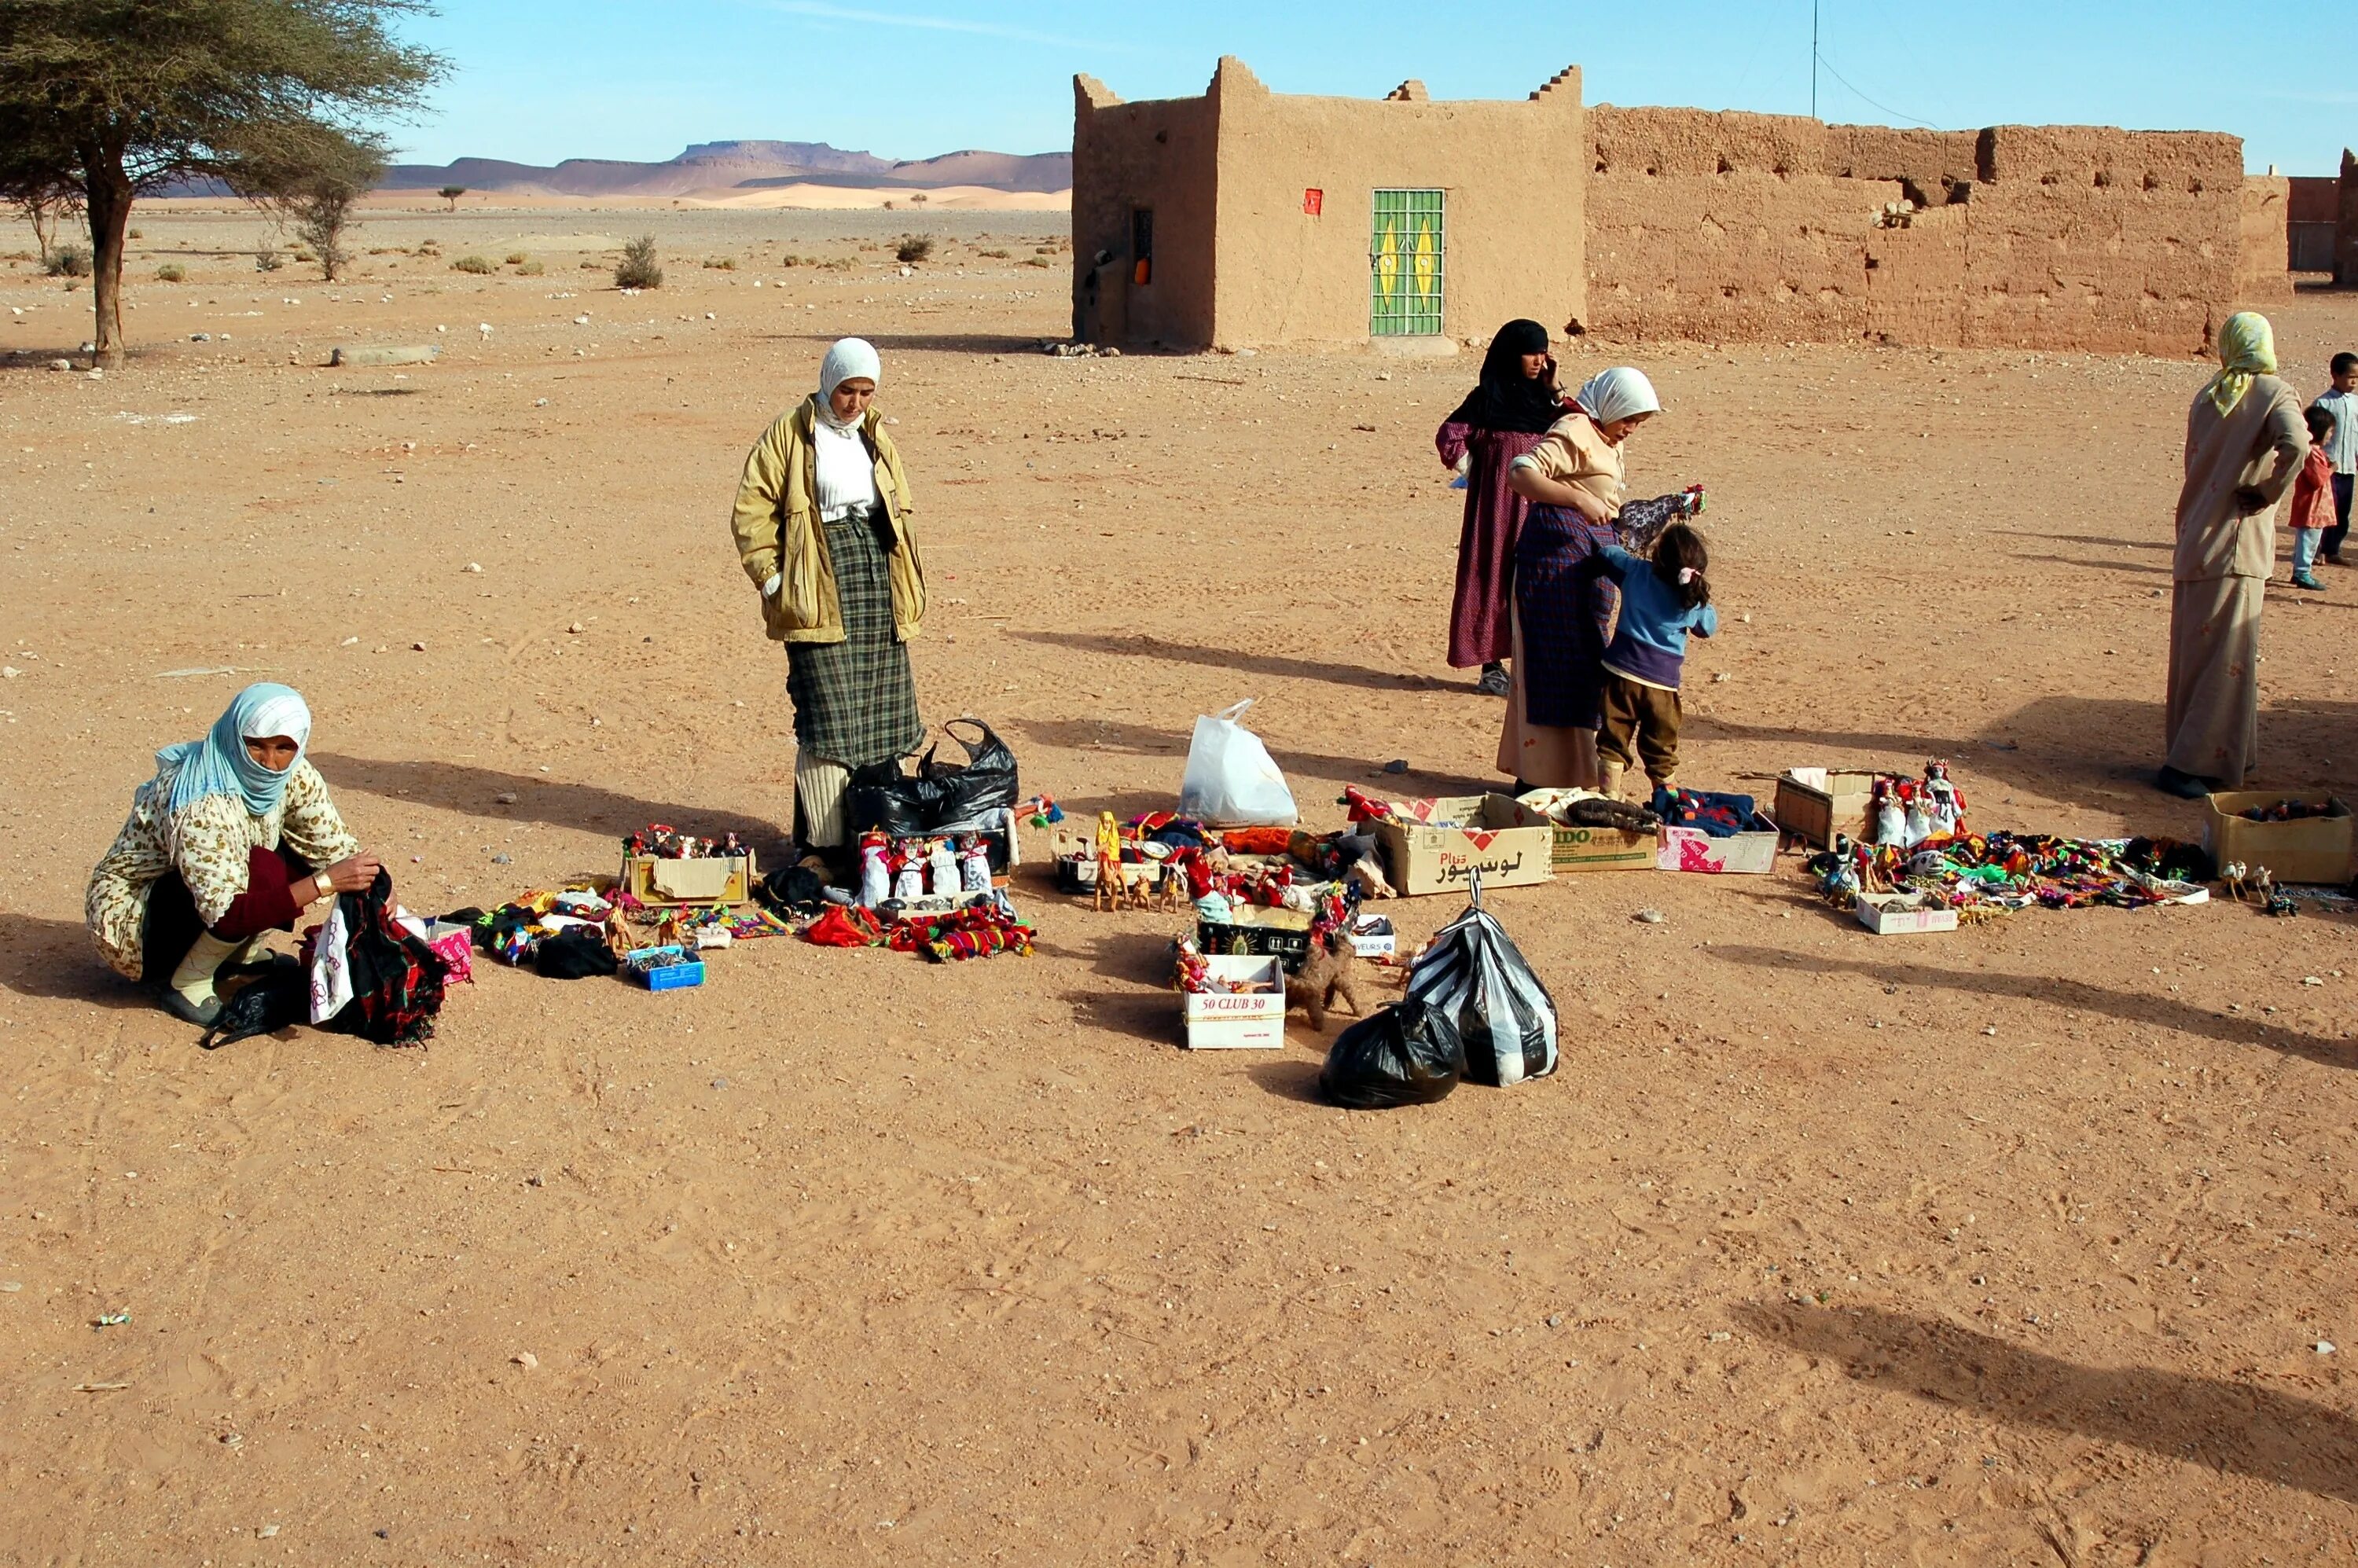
pixel 1661 601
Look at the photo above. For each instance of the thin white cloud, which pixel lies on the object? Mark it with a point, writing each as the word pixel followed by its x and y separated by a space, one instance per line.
pixel 930 24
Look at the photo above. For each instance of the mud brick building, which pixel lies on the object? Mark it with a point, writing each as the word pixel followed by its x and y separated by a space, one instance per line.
pixel 1246 217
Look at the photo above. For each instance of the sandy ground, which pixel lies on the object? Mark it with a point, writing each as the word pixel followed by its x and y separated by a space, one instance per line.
pixel 2016 1245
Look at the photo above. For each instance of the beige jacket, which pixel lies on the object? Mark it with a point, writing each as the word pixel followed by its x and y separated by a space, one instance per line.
pixel 2262 444
pixel 779 532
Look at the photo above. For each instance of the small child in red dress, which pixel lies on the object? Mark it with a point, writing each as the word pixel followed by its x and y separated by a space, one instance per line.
pixel 2312 510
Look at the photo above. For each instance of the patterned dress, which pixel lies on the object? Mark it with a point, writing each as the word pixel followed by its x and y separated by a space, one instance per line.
pixel 1481 608
pixel 210 843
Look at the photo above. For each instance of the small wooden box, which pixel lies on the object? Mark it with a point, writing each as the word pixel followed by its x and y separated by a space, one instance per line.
pixel 1815 804
pixel 699 882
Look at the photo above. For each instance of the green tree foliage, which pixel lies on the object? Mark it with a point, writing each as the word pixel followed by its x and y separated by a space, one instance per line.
pixel 112 99
pixel 451 193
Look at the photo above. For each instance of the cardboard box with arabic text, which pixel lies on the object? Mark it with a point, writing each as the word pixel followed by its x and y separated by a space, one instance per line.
pixel 1454 836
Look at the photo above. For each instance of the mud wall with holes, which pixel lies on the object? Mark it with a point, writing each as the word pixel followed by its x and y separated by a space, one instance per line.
pixel 1753 227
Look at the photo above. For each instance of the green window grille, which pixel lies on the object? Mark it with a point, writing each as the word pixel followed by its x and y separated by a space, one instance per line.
pixel 1405 250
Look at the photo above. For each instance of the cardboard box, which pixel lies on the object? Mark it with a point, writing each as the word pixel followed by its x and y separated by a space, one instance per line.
pixel 1815 804
pixel 1372 936
pixel 2312 849
pixel 1226 1021
pixel 1902 914
pixel 1584 848
pixel 704 880
pixel 1281 933
pixel 1750 852
pixel 1463 834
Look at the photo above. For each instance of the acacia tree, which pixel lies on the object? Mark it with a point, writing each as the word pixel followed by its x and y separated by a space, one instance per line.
pixel 451 193
pixel 116 99
pixel 311 184
pixel 46 204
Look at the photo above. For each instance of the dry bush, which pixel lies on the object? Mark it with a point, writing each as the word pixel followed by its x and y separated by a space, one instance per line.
pixel 530 270
pixel 639 268
pixel 913 248
pixel 171 272
pixel 69 261
pixel 477 265
pixel 517 258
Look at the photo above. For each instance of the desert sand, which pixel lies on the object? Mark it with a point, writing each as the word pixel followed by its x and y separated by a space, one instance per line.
pixel 2019 1245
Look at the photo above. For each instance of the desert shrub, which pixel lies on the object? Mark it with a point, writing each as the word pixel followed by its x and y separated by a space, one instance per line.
pixel 530 270
pixel 1038 261
pixel 720 264
pixel 171 272
pixel 913 248
pixel 639 268
pixel 69 261
pixel 268 261
pixel 517 258
pixel 304 254
pixel 477 265
pixel 994 255
pixel 841 264
pixel 135 234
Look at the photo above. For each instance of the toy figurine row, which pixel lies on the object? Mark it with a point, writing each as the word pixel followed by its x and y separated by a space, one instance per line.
pixel 1165 858
pixel 906 869
pixel 660 841
pixel 1906 813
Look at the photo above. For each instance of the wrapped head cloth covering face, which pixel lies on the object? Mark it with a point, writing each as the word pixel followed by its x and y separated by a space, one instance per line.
pixel 219 763
pixel 852 359
pixel 1507 399
pixel 1619 394
pixel 2247 347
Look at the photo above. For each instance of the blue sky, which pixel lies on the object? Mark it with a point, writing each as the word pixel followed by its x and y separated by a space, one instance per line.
pixel 537 80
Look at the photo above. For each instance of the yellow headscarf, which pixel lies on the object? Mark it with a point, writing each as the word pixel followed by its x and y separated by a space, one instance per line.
pixel 2247 347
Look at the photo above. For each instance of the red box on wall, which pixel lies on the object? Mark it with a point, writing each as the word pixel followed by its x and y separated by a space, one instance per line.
pixel 1313 203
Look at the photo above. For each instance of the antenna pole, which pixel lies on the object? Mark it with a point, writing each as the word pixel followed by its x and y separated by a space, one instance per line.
pixel 1813 59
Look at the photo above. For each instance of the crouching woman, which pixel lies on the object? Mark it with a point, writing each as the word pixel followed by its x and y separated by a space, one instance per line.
pixel 235 837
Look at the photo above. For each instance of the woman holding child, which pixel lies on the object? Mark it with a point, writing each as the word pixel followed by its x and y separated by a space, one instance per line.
pixel 1565 604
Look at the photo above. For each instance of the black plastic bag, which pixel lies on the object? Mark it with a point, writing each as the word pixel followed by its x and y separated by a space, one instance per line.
pixel 791 890
pixel 276 1001
pixel 1473 973
pixel 880 798
pixel 984 784
pixel 575 953
pixel 1408 1053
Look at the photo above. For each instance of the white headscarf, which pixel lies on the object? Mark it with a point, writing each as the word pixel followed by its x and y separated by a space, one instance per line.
pixel 850 360
pixel 1618 394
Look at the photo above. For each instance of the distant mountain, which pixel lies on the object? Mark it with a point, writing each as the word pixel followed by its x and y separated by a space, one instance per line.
pixel 745 164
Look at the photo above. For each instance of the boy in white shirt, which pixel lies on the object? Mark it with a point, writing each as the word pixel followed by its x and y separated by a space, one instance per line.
pixel 2342 447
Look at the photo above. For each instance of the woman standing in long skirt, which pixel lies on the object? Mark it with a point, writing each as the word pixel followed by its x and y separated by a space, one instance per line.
pixel 1500 420
pixel 2245 444
pixel 823 528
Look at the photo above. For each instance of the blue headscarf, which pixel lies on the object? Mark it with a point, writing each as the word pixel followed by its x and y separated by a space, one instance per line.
pixel 219 763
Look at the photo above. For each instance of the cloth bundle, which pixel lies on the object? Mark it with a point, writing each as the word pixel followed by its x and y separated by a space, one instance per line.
pixel 1719 816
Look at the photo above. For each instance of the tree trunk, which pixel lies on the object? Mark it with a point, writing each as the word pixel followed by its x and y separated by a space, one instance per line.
pixel 109 194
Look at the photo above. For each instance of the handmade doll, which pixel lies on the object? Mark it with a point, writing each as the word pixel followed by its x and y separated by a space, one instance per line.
pixel 908 875
pixel 875 879
pixel 1890 823
pixel 974 864
pixel 942 869
pixel 1948 801
pixel 1915 825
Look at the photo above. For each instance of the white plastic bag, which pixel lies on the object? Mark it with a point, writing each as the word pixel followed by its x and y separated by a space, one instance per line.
pixel 1230 782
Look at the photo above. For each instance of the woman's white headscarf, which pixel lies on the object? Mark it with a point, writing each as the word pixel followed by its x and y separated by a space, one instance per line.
pixel 850 359
pixel 1616 394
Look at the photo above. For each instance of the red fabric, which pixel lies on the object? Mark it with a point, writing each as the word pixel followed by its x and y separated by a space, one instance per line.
pixel 2312 494
pixel 268 902
pixel 1481 629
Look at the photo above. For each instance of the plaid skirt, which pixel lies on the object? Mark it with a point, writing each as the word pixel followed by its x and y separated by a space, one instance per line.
pixel 855 701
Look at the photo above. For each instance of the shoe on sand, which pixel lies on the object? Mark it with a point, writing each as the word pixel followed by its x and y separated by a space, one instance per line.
pixel 2304 579
pixel 1493 682
pixel 2185 786
pixel 200 1013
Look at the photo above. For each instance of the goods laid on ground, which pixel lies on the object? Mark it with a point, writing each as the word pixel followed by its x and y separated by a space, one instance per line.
pixel 1980 877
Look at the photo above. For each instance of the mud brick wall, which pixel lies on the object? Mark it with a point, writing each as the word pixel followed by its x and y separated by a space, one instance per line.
pixel 1731 226
pixel 2262 275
